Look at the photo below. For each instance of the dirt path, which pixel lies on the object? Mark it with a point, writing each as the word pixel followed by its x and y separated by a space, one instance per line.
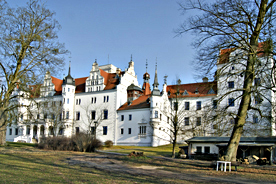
pixel 113 164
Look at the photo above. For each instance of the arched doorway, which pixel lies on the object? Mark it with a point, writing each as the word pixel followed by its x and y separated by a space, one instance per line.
pixel 42 130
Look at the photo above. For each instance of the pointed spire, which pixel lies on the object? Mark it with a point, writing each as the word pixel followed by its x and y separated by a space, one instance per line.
pixel 131 57
pixel 165 79
pixel 69 71
pixel 146 65
pixel 155 84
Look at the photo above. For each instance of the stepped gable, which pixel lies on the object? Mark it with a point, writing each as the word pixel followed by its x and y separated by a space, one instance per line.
pixel 110 79
pixel 139 103
pixel 194 90
pixel 58 83
pixel 80 84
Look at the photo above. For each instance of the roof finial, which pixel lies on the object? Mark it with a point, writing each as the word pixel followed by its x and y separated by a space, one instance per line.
pixel 165 79
pixel 95 60
pixel 131 57
pixel 69 71
pixel 146 65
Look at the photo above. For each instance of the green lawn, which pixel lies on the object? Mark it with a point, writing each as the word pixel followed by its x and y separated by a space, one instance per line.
pixel 161 151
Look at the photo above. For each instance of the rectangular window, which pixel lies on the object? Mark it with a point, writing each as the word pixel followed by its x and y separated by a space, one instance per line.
pixel 93 115
pixel 231 102
pixel 175 106
pixel 93 130
pixel 104 99
pixel 67 100
pixel 37 116
pixel 67 114
pixel 16 131
pixel 198 121
pixel 207 149
pixel 10 131
pixel 45 116
pixel 231 84
pixel 122 131
pixel 107 98
pixel 77 115
pixel 28 130
pixel 129 117
pixel 68 89
pixel 257 81
pixel 105 115
pixel 95 99
pixel 186 119
pixel 215 104
pixel 104 130
pixel 187 105
pixel 255 119
pixel 122 117
pixel 198 105
pixel 156 114
pixel 77 130
pixel 142 130
pixel 129 130
pixel 160 117
pixel 92 100
pixel 198 149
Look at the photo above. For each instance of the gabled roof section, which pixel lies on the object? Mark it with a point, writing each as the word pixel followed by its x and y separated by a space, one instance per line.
pixel 263 49
pixel 192 90
pixel 140 103
pixel 80 84
pixel 58 83
pixel 110 79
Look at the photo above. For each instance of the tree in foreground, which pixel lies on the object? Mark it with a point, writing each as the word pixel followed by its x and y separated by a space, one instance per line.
pixel 28 48
pixel 244 25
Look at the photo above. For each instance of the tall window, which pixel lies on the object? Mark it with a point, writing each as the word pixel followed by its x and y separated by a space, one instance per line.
pixel 187 105
pixel 255 119
pixel 77 130
pixel 231 84
pixel 67 100
pixel 78 101
pixel 231 102
pixel 10 131
pixel 93 130
pixel 129 130
pixel 206 149
pixel 104 98
pixel 67 114
pixel 93 115
pixel 199 149
pixel 198 105
pixel 198 121
pixel 175 106
pixel 257 81
pixel 122 117
pixel 28 130
pixel 215 104
pixel 156 114
pixel 105 115
pixel 16 131
pixel 122 131
pixel 78 115
pixel 142 130
pixel 104 130
pixel 129 117
pixel 186 119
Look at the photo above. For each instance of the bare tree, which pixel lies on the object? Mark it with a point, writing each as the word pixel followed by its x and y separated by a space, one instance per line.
pixel 28 48
pixel 246 27
pixel 93 116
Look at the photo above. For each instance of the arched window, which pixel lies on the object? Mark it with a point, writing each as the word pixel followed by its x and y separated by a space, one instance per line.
pixel 42 130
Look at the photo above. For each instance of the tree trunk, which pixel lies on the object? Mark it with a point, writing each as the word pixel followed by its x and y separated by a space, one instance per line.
pixel 173 150
pixel 3 130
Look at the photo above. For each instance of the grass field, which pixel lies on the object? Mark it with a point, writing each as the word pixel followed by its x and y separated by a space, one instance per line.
pixel 24 163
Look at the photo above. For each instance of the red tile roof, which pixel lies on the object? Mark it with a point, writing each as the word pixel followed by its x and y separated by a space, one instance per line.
pixel 80 84
pixel 110 80
pixel 57 82
pixel 225 53
pixel 203 89
pixel 139 103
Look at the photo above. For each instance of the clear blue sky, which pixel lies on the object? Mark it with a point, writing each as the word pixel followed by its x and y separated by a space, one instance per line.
pixel 94 29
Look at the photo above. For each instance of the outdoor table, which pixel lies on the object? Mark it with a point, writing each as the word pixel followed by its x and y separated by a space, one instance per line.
pixel 225 164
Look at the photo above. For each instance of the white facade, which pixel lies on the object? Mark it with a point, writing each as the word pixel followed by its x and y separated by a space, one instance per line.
pixel 104 104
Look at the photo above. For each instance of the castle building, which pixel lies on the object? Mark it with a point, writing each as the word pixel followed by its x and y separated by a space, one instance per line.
pixel 111 105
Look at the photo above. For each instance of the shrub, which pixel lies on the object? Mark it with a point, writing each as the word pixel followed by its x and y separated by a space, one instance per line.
pixel 56 143
pixel 86 142
pixel 108 143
